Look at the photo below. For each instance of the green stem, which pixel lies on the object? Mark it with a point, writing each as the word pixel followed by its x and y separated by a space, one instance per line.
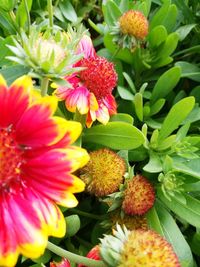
pixel 44 86
pixel 74 257
pixel 50 11
pixel 88 215
pixel 28 15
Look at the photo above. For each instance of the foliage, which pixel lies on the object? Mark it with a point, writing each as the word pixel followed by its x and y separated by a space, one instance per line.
pixel 156 129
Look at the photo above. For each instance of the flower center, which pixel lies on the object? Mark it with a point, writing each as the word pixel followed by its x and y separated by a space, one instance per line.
pixel 10 158
pixel 134 23
pixel 99 76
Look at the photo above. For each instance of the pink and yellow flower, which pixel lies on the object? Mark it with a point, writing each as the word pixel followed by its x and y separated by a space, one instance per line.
pixel 62 263
pixel 91 89
pixel 36 166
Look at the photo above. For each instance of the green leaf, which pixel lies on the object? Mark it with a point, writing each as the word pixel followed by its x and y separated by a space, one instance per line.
pixel 111 12
pixel 189 167
pixel 153 221
pixel 13 72
pixel 186 212
pixel 173 234
pixel 68 11
pixel 154 165
pixel 157 106
pixel 169 46
pixel 73 224
pixel 157 36
pixel 138 101
pixel 175 116
pixel 189 70
pixel 122 117
pixel 183 31
pixel 123 54
pixel 166 83
pixel 170 20
pixel 21 16
pixel 116 135
pixel 125 93
pixel 160 15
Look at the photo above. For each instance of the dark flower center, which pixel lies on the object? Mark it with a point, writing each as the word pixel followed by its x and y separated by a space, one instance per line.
pixel 11 158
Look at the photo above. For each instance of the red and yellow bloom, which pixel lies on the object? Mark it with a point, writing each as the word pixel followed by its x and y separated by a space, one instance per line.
pixel 36 165
pixel 91 89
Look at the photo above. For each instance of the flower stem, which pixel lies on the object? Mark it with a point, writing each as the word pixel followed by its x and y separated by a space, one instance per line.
pixel 88 215
pixel 28 16
pixel 44 86
pixel 50 11
pixel 74 257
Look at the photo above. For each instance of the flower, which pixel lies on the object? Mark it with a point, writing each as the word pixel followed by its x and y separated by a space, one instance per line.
pixel 104 172
pixel 130 30
pixel 137 248
pixel 134 23
pixel 36 165
pixel 91 88
pixel 92 254
pixel 63 263
pixel 131 222
pixel 139 196
pixel 47 54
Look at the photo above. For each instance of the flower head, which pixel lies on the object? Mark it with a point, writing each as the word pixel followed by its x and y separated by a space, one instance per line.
pixel 94 254
pixel 137 248
pixel 134 23
pixel 47 54
pixel 130 30
pixel 63 263
pixel 91 88
pixel 139 196
pixel 131 222
pixel 104 172
pixel 36 165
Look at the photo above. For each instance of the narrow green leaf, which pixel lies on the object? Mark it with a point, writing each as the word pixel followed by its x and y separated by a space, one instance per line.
pixel 189 70
pixel 189 167
pixel 21 16
pixel 175 116
pixel 160 15
pixel 116 135
pixel 170 20
pixel 122 117
pixel 125 93
pixel 183 31
pixel 153 221
pixel 173 234
pixel 157 36
pixel 157 106
pixel 138 101
pixel 186 212
pixel 68 11
pixel 166 83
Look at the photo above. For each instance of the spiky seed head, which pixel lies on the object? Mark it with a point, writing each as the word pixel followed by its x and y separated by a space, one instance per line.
pixel 104 172
pixel 134 23
pixel 139 196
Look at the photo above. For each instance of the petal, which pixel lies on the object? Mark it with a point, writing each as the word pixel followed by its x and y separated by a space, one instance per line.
pixel 42 130
pixel 93 102
pixel 78 99
pixel 8 244
pixel 50 174
pixel 86 46
pixel 91 117
pixel 110 103
pixel 14 101
pixel 102 114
